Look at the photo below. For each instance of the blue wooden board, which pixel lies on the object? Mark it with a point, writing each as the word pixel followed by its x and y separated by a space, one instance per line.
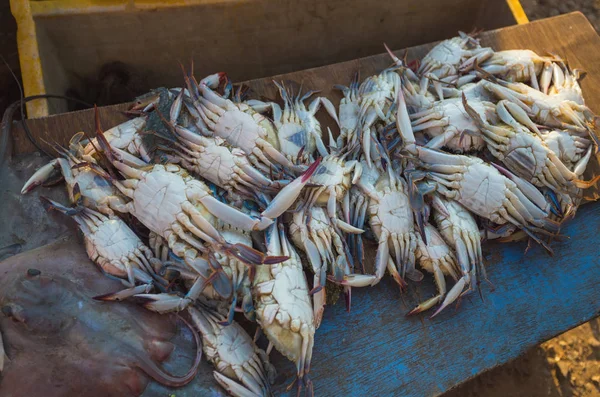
pixel 375 349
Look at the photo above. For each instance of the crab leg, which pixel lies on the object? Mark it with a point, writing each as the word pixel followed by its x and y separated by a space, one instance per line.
pixel 167 303
pixel 382 257
pixel 42 175
pixel 126 293
pixel 440 283
pixel 233 387
pixel 403 124
pixel 3 357
pixel 286 197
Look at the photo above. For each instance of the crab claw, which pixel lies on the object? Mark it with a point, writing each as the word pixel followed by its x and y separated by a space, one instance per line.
pixel 348 228
pixel 40 176
pixel 453 294
pixel 396 60
pixel 428 304
pixel 53 205
pixel 358 280
pixel 164 303
pixel 286 197
pixel 251 256
pixel 214 80
pixel 233 387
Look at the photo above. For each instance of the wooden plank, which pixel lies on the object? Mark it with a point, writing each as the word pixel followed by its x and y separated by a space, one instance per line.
pixel 249 39
pixel 375 349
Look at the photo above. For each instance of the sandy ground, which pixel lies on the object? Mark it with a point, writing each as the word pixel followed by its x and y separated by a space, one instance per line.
pixel 568 365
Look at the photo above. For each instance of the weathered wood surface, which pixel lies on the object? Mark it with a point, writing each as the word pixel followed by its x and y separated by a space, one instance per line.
pixel 71 41
pixel 375 349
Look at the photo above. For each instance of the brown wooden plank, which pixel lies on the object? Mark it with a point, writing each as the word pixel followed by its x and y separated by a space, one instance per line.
pixel 249 39
pixel 61 127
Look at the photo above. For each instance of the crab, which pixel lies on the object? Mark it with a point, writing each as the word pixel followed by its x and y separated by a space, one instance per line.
pixel 376 95
pixel 391 219
pixel 242 368
pixel 518 66
pixel 298 130
pixel 459 229
pixel 448 58
pixel 237 123
pixel 312 232
pixel 525 153
pixel 87 183
pixel 113 246
pixel 449 125
pixel 489 191
pixel 283 307
pixel 437 258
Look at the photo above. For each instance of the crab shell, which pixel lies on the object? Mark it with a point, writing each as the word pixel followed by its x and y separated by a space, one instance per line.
pixel 283 306
pixel 332 172
pixel 449 57
pixel 241 365
pixel 436 251
pixel 391 219
pixel 449 125
pixel 568 146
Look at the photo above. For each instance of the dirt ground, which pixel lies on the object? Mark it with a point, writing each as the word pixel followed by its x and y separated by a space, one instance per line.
pixel 568 365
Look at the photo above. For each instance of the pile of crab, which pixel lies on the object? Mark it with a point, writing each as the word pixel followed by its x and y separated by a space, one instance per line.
pixel 239 197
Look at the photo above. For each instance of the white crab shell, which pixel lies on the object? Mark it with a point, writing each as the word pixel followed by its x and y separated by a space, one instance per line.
pixel 159 195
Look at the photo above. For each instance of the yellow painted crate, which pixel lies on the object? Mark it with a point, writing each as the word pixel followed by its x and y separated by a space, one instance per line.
pixel 60 41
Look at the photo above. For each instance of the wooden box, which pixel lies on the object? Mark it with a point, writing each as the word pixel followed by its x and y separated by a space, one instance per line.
pixel 375 350
pixel 63 43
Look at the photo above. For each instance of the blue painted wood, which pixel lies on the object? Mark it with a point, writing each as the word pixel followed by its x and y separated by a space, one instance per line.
pixel 375 349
